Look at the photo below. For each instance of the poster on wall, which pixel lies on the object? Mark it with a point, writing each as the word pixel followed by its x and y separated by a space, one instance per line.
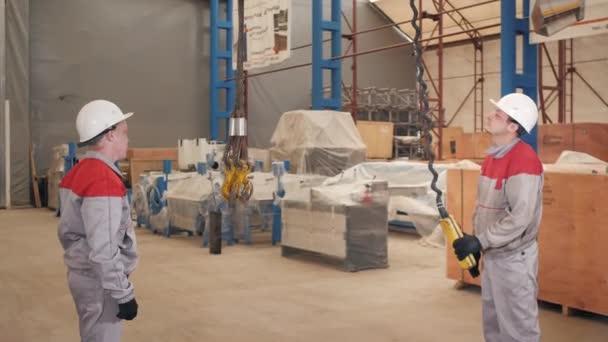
pixel 267 31
pixel 564 19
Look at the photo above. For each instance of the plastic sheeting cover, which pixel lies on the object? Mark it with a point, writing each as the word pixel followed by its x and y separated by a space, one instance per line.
pixel 319 142
pixel 408 187
pixel 347 221
pixel 577 162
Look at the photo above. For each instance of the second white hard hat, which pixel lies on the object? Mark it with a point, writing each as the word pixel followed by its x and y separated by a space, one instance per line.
pixel 96 117
pixel 520 108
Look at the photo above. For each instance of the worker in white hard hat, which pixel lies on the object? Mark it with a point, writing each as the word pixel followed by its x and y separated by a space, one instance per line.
pixel 95 229
pixel 506 222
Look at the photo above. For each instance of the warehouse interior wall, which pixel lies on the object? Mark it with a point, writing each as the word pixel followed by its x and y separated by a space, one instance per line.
pixel 16 89
pixel 151 57
pixel 3 199
pixel 589 60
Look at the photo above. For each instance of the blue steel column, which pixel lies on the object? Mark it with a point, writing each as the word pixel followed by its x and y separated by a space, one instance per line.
pixel 216 57
pixel 511 27
pixel 319 64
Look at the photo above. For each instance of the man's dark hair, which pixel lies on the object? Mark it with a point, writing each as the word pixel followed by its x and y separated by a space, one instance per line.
pixel 520 129
pixel 96 138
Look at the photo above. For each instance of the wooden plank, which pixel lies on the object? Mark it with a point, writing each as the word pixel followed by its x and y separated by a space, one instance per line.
pixel 137 167
pixel 481 143
pixel 553 139
pixel 169 153
pixel 378 137
pixel 34 178
pixel 464 146
pixel 572 239
pixel 450 139
pixel 454 206
pixel 469 202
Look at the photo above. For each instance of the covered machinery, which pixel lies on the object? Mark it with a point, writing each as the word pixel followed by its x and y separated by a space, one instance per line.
pixel 317 142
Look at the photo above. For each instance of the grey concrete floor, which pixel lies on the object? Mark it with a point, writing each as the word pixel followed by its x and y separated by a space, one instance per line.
pixel 251 293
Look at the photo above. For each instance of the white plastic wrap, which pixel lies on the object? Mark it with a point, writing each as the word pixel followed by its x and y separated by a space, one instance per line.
pixel 192 151
pixel 141 193
pixel 256 214
pixel 346 221
pixel 577 162
pixel 317 142
pixel 411 198
pixel 187 202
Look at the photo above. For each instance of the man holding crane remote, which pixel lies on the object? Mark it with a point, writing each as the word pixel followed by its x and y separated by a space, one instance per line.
pixel 506 222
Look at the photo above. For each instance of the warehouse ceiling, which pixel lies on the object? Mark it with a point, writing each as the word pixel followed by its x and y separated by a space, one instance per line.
pixel 455 21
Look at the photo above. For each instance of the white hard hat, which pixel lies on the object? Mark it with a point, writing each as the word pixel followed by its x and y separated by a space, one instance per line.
pixel 96 117
pixel 520 108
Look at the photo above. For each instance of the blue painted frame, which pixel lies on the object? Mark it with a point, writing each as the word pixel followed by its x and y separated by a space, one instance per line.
pixel 319 64
pixel 216 57
pixel 511 80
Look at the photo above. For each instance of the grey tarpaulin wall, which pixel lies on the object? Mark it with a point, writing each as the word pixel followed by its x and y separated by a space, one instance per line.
pixel 150 57
pixel 273 94
pixel 2 97
pixel 16 89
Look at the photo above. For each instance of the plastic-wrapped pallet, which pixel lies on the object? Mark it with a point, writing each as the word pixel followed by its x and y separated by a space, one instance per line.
pixel 187 203
pixel 324 143
pixel 257 213
pixel 410 196
pixel 347 222
pixel 147 200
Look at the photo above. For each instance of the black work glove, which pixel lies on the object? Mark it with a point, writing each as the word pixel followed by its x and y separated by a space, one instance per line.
pixel 468 244
pixel 128 310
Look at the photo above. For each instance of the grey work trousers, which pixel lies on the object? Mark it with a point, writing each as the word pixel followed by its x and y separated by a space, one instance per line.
pixel 509 290
pixel 96 309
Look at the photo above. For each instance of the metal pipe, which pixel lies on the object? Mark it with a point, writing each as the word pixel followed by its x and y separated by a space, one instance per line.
pixel 570 71
pixel 591 88
pixel 354 106
pixel 7 152
pixel 397 24
pixel 394 46
pixel 366 52
pixel 440 83
pixel 561 69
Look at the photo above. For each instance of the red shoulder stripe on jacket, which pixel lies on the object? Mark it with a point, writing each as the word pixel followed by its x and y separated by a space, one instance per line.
pixel 93 178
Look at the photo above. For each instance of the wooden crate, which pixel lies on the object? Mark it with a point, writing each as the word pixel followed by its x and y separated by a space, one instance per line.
pixel 481 143
pixel 152 153
pixel 553 139
pixel 464 146
pixel 378 137
pixel 449 142
pixel 591 138
pixel 472 145
pixel 572 238
pixel 148 159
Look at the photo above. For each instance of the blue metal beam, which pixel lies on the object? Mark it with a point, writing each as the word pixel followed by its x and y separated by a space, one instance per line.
pixel 334 26
pixel 217 59
pixel 511 80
